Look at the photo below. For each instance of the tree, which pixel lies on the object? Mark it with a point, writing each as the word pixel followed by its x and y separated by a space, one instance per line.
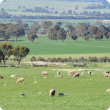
pixel 3 27
pixel 103 30
pixel 93 30
pixel 81 27
pixel 73 36
pixel 70 28
pixel 7 50
pixel 17 32
pixel 1 55
pixel 20 52
pixel 53 32
pixel 99 36
pixel 46 26
pixel 35 27
pixel 61 34
pixel 32 36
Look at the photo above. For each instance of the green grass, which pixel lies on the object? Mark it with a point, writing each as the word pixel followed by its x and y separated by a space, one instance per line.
pixel 43 45
pixel 80 93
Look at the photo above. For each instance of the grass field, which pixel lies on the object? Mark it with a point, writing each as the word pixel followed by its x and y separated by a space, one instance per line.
pixel 83 93
pixel 43 47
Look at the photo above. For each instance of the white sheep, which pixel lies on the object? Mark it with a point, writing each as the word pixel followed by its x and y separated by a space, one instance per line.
pixel 20 80
pixel 14 76
pixel 58 76
pixel 44 73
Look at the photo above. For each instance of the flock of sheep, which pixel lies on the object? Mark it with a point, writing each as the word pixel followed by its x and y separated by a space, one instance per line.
pixel 52 91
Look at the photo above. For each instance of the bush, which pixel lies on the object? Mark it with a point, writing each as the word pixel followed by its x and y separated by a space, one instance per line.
pixel 33 58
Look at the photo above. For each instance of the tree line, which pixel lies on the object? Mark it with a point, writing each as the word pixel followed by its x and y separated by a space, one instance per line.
pixel 54 32
pixel 19 52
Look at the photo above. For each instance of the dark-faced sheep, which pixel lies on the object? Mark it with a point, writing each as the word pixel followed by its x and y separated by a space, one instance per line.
pixel 1 76
pixel 58 73
pixel 58 76
pixel 44 73
pixel 89 73
pixel 20 80
pixel 76 75
pixel 52 92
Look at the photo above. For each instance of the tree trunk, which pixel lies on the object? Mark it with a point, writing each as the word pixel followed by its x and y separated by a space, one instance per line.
pixel 18 63
pixel 4 61
pixel 15 38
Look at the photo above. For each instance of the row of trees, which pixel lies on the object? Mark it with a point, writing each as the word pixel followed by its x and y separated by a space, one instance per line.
pixel 19 52
pixel 82 59
pixel 55 32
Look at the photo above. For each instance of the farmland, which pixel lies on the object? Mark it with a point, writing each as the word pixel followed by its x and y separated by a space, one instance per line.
pixel 43 47
pixel 85 92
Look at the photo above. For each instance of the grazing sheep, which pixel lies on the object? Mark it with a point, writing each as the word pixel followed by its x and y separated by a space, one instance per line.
pixel 58 76
pixel 89 73
pixel 44 73
pixel 20 80
pixel 22 94
pixel 14 76
pixel 61 94
pixel 106 75
pixel 71 73
pixel 1 76
pixel 76 74
pixel 108 90
pixel 58 73
pixel 52 92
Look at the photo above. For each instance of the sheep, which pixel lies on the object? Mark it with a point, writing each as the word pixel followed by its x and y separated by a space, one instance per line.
pixel 58 76
pixel 89 73
pixel 106 75
pixel 44 73
pixel 71 73
pixel 52 92
pixel 61 94
pixel 20 80
pixel 108 90
pixel 82 73
pixel 1 76
pixel 14 76
pixel 22 94
pixel 58 73
pixel 75 75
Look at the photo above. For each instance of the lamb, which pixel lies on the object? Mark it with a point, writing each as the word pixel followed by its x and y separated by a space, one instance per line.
pixel 89 73
pixel 71 73
pixel 52 92
pixel 58 76
pixel 106 75
pixel 20 80
pixel 14 76
pixel 76 74
pixel 58 73
pixel 44 73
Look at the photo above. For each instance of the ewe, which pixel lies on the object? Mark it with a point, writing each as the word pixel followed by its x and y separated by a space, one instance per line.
pixel 20 80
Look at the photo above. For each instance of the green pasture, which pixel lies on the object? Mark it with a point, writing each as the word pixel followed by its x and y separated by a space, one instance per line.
pixel 83 93
pixel 45 48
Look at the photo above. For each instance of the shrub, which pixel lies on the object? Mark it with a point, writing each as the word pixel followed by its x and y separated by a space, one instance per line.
pixel 33 58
